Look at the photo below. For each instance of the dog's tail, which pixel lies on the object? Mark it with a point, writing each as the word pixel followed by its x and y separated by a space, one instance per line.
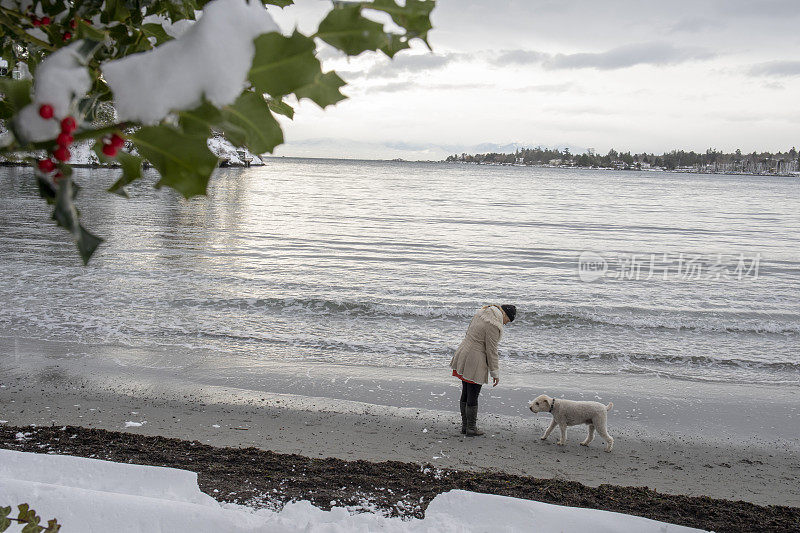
pixel 610 406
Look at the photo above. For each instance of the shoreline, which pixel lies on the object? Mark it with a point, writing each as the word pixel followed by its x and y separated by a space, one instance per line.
pixel 265 479
pixel 291 414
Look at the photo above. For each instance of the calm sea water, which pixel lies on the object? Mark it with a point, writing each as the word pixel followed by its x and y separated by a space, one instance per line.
pixel 382 264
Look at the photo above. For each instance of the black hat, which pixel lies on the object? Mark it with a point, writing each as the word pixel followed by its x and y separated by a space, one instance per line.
pixel 510 311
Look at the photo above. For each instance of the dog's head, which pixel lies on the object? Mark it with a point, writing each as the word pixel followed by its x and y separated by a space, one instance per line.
pixel 541 404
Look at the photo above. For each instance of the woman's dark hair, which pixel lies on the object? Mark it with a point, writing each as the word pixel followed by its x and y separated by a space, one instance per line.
pixel 510 311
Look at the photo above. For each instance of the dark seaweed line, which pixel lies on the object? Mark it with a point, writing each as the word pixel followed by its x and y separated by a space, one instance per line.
pixel 249 476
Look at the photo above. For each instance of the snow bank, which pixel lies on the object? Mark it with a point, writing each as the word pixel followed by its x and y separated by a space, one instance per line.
pixel 229 154
pixel 211 58
pixel 89 495
pixel 59 79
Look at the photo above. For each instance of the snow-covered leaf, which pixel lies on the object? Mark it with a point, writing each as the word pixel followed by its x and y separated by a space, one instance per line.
pixel 251 113
pixel 324 91
pixel 184 161
pixel 283 64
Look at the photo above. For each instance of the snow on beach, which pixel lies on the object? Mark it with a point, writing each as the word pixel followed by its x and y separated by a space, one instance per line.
pixel 90 495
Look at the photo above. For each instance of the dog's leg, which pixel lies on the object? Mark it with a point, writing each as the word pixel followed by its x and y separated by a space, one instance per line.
pixel 589 437
pixel 601 429
pixel 563 440
pixel 549 429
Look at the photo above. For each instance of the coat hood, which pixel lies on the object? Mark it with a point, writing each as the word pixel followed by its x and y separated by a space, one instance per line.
pixel 493 315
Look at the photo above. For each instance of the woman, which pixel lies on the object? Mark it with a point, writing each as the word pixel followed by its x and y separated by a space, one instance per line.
pixel 476 358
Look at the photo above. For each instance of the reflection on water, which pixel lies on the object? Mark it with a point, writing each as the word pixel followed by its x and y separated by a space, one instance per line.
pixel 382 263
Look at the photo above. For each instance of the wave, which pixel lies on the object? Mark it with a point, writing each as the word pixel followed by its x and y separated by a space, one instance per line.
pixel 685 362
pixel 633 318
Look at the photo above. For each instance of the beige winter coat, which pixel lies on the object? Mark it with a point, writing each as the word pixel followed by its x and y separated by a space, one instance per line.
pixel 476 357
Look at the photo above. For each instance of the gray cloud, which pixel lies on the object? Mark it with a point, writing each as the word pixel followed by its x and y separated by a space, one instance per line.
pixel 404 64
pixel 398 86
pixel 695 25
pixel 393 87
pixel 519 57
pixel 549 88
pixel 629 56
pixel 776 68
pixel 621 57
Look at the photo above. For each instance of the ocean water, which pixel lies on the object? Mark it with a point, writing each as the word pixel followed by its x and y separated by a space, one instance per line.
pixel 382 264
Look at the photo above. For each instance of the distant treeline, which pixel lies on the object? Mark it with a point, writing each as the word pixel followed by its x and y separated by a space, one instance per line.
pixel 672 160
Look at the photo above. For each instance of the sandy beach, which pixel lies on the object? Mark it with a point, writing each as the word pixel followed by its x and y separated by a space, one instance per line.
pixel 745 453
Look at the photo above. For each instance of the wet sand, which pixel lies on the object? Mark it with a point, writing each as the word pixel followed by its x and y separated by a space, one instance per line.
pixel 664 449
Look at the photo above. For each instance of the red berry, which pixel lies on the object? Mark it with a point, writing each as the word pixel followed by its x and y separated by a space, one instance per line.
pixel 64 139
pixel 117 141
pixel 110 150
pixel 36 22
pixel 68 125
pixel 46 165
pixel 58 176
pixel 88 21
pixel 46 111
pixel 67 36
pixel 72 24
pixel 61 153
pixel 45 21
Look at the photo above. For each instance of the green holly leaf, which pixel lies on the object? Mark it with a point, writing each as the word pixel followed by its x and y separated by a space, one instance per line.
pixel 16 95
pixel 282 64
pixel 52 526
pixel 250 112
pixel 200 120
pixel 5 523
pixel 24 510
pixel 279 3
pixel 281 107
pixel 346 29
pixel 66 215
pixel 32 527
pixel 184 161
pixel 115 10
pixel 46 189
pixel 324 91
pixel 394 43
pixel 414 16
pixel 156 31
pixel 175 9
pixel 131 171
pixel 87 31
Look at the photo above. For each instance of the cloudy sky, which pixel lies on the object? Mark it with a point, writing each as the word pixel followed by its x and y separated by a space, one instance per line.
pixel 638 75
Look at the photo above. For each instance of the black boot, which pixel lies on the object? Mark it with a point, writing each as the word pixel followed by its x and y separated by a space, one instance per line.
pixel 463 418
pixel 472 417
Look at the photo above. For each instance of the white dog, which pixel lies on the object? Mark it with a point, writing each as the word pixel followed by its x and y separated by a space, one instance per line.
pixel 569 413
